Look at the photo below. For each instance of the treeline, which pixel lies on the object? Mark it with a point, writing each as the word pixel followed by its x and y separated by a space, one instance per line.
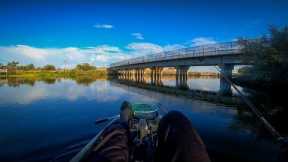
pixel 14 65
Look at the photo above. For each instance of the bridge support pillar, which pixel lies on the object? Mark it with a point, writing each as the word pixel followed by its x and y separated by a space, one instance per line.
pixel 152 73
pixel 139 75
pixel 119 74
pixel 142 75
pixel 181 77
pixel 135 74
pixel 123 74
pixel 156 75
pixel 225 87
pixel 126 74
pixel 129 74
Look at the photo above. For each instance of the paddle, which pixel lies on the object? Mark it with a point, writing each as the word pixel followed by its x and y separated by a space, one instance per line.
pixel 101 120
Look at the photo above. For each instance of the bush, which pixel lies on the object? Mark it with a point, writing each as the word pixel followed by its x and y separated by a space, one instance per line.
pixel 49 67
pixel 85 67
pixel 269 56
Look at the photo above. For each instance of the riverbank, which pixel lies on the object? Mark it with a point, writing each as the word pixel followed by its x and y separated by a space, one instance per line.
pixel 50 77
pixel 97 73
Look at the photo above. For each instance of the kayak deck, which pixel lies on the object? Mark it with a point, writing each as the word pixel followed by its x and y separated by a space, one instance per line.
pixel 143 131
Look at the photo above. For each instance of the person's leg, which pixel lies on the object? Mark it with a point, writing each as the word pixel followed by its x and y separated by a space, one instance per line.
pixel 178 141
pixel 114 144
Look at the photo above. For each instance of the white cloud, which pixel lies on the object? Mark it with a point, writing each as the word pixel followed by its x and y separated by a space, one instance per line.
pixel 144 48
pixel 138 36
pixel 171 47
pixel 202 41
pixel 33 53
pixel 69 57
pixel 103 26
pixel 100 55
pixel 102 58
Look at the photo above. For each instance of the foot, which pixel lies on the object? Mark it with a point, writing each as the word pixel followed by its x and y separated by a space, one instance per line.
pixel 125 112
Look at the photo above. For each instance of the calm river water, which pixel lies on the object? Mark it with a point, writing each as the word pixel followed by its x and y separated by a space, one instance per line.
pixel 41 119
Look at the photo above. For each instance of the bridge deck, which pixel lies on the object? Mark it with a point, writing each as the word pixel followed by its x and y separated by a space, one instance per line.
pixel 220 49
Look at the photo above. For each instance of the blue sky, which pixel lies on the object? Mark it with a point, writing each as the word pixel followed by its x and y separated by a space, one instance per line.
pixel 101 32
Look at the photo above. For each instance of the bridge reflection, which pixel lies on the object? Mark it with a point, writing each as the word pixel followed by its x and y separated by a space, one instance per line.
pixel 156 77
pixel 179 87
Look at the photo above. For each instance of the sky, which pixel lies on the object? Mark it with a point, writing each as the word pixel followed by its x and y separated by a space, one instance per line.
pixel 66 33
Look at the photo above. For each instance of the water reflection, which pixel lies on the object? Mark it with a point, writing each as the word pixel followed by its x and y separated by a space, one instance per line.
pixel 206 83
pixel 212 83
pixel 64 89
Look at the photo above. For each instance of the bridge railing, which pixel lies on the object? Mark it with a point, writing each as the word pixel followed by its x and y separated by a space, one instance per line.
pixel 199 51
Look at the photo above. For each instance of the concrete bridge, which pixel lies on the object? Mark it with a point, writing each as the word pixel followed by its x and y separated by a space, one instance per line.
pixel 225 55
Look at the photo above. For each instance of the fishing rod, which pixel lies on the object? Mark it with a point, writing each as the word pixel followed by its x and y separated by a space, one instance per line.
pixel 269 127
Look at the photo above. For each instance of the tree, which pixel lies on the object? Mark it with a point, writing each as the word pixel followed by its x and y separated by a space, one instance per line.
pixel 12 67
pixel 29 67
pixel 269 73
pixel 85 67
pixel 26 67
pixel 269 56
pixel 49 67
pixel 12 64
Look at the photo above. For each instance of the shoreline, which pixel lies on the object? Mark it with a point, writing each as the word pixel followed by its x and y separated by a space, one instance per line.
pixel 98 72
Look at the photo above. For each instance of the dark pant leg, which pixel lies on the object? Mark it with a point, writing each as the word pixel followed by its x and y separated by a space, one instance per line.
pixel 114 147
pixel 178 141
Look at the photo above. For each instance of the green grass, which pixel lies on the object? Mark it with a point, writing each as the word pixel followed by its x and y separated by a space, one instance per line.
pixel 94 74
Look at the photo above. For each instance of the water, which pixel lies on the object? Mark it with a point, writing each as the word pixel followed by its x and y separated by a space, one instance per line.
pixel 204 83
pixel 40 119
